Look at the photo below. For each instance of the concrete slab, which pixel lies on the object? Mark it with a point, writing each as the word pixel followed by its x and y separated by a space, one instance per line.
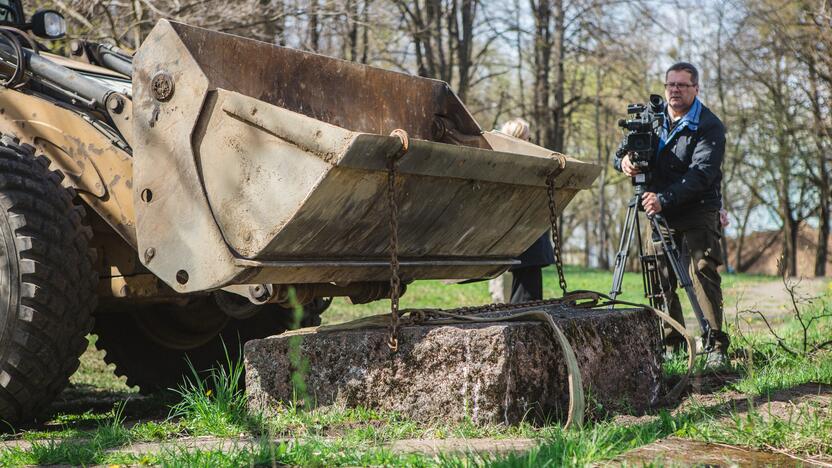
pixel 488 373
pixel 437 447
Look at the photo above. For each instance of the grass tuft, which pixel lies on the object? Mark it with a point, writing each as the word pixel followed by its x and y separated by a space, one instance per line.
pixel 215 404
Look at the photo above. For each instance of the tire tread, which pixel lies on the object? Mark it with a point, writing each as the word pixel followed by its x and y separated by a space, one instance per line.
pixel 57 280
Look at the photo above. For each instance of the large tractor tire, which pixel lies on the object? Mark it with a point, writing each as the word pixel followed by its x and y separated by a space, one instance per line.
pixel 47 283
pixel 152 345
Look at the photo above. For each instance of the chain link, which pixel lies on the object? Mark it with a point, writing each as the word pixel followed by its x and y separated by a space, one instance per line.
pixel 395 281
pixel 553 220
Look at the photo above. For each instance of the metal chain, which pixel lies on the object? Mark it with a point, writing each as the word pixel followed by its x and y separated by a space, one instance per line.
pixel 395 281
pixel 476 310
pixel 553 220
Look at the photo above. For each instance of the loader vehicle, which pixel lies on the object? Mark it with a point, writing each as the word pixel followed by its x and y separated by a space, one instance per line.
pixel 174 200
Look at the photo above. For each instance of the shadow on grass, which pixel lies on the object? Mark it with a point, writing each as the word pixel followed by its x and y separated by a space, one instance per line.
pixel 83 407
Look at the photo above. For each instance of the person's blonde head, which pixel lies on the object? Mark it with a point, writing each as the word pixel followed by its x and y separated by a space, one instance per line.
pixel 518 128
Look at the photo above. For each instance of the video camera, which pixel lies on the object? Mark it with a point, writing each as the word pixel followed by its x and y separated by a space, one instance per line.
pixel 641 140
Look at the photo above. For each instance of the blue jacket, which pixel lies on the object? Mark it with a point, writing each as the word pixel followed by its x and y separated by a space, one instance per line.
pixel 687 169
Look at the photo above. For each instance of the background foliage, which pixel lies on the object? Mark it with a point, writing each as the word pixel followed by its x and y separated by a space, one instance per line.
pixel 570 67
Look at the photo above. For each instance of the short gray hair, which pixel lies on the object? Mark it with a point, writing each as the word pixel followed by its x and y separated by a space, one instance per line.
pixel 684 66
pixel 518 128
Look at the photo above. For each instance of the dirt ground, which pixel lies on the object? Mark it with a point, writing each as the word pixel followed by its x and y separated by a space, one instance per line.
pixel 797 402
pixel 675 451
pixel 772 299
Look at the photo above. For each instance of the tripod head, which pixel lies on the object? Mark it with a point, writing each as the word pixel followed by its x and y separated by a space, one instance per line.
pixel 640 182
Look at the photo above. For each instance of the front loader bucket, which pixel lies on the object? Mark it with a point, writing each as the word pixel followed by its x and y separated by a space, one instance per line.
pixel 261 164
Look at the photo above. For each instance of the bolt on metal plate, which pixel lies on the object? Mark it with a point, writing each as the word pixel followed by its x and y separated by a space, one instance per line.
pixel 162 85
pixel 149 254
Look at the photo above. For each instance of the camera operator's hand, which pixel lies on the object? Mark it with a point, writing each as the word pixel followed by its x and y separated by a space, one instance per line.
pixel 723 218
pixel 650 202
pixel 627 167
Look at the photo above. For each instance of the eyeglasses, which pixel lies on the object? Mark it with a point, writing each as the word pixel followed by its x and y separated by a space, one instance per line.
pixel 678 85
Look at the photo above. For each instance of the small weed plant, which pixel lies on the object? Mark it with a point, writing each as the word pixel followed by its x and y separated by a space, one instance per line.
pixel 299 364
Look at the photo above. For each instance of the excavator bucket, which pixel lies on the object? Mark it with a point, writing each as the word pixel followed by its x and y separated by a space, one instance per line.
pixel 259 164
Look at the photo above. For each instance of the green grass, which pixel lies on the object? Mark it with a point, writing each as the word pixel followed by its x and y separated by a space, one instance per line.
pixel 96 373
pixel 595 442
pixel 82 448
pixel 768 368
pixel 309 452
pixel 361 425
pixel 803 430
pixel 446 295
pixel 154 431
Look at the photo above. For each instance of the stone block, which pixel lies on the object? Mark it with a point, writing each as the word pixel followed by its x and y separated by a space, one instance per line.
pixel 500 372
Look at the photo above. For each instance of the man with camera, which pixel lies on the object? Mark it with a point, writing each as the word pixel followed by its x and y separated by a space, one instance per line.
pixel 685 188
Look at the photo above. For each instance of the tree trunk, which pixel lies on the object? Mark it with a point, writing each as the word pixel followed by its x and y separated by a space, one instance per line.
pixel 556 132
pixel 465 47
pixel 789 236
pixel 521 85
pixel 313 27
pixel 603 258
pixel 365 36
pixel 741 237
pixel 443 36
pixel 275 31
pixel 542 54
pixel 794 230
pixel 822 253
pixel 587 243
pixel 352 34
pixel 141 29
pixel 822 181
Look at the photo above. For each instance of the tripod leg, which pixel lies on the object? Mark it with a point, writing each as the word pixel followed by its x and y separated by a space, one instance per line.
pixel 646 273
pixel 624 247
pixel 674 258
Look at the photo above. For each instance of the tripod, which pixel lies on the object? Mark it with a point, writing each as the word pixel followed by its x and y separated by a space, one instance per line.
pixel 655 282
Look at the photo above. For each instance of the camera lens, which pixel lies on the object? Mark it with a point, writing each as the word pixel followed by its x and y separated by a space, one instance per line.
pixel 656 103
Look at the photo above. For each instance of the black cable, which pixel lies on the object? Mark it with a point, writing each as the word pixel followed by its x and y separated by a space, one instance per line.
pixel 17 77
pixel 33 46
